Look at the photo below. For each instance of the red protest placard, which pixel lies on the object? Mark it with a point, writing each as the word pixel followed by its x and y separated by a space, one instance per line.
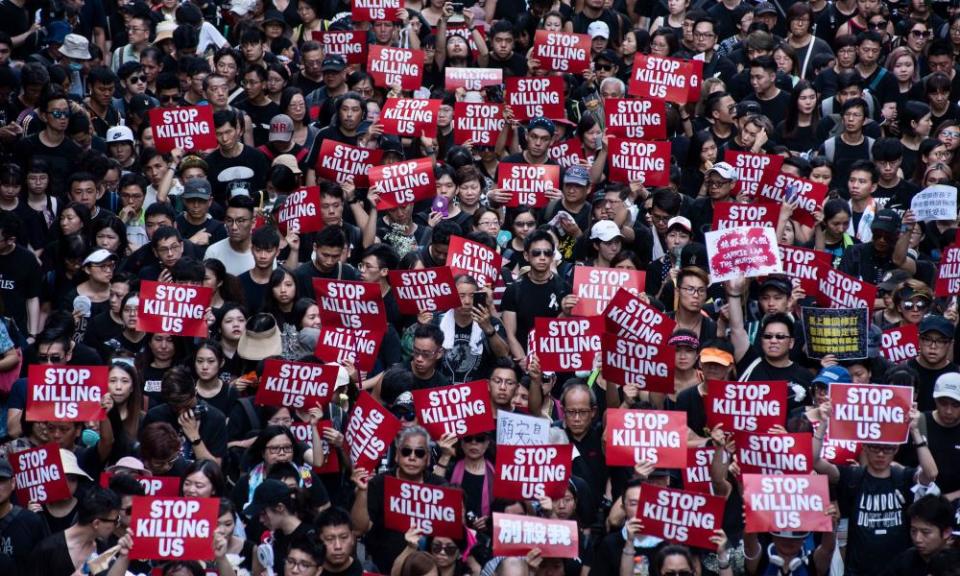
pixel 746 251
pixel 787 502
pixel 775 453
pixel 567 153
pixel 296 384
pixel 531 472
pixel 687 518
pixel 636 118
pixel 596 287
pixel 173 527
pixel 696 474
pixel 532 97
pixel 471 78
pixel 173 308
pixel 349 345
pixel 746 406
pixel 369 432
pixel 639 161
pixel 837 451
pixel 515 535
pixel 751 168
pixel 480 123
pixel 389 66
pixel 669 79
pixel 529 183
pixel 66 393
pixel 629 361
pixel 350 304
pixel 351 44
pixel 568 344
pixel 461 409
pixel 901 343
pixel 413 117
pixel 469 257
pixel 430 289
pixel 302 207
pixel 735 214
pixel 331 456
pixel 435 510
pixel 337 162
pixel 187 128
pixel 872 413
pixel 809 195
pixel 162 486
pixel 39 476
pixel 657 436
pixel 805 265
pixel 403 182
pixel 838 290
pixel 373 10
pixel 948 273
pixel 628 315
pixel 562 51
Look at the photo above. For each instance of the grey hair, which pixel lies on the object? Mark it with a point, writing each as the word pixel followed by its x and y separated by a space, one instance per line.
pixel 411 431
pixel 613 80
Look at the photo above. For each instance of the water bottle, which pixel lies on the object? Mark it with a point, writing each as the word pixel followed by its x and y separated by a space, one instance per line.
pixel 640 566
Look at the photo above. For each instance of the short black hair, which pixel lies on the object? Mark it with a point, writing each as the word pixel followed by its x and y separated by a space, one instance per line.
pixel 265 238
pixel 95 503
pixel 430 331
pixel 243 202
pixel 538 236
pixel 444 231
pixel 332 237
pixel 333 516
pixel 887 150
pixel 158 209
pixel 866 166
pixel 765 62
pixel 777 318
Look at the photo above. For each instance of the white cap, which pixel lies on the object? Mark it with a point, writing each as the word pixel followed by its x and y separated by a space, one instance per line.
pixel 682 222
pixel 119 134
pixel 605 231
pixel 98 256
pixel 725 170
pixel 947 386
pixel 598 29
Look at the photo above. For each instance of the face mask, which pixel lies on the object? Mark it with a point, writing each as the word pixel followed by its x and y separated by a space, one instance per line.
pixel 90 437
pixel 75 67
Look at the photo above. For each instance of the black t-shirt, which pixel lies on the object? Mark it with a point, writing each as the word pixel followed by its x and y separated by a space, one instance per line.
pixel 844 157
pixel 328 133
pixel 472 485
pixel 896 198
pixel 224 399
pixel 436 380
pixel 255 294
pixel 582 218
pixel 690 401
pixel 19 282
pixel 775 107
pixel 260 116
pixel 794 375
pixel 15 20
pixel 945 446
pixel 803 138
pixel 460 364
pixel 249 157
pixel 51 557
pixel 908 563
pixel 20 534
pixel 529 300
pixel 306 272
pixel 215 228
pixel 213 428
pixel 61 160
pixel 927 379
pixel 354 569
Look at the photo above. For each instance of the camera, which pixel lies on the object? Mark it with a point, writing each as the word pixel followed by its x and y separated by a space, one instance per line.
pixel 199 410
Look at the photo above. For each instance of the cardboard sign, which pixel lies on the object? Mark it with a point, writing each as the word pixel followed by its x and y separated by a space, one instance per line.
pixel 351 44
pixel 775 453
pixel 162 486
pixel 429 289
pixel 462 409
pixel 350 304
pixel 528 183
pixel 337 162
pixel 728 215
pixel 403 182
pixel 669 79
pixel 938 202
pixel 412 117
pixel 180 528
pixel 436 510
pixel 696 474
pixel 187 128
pixel 838 331
pixel 751 169
pixel 531 472
pixel 839 290
pixel 788 502
pixel 66 393
pixel 567 153
pixel 369 432
pixel 657 436
pixel 871 413
pixel 302 207
pixel 562 51
pixel 521 430
pixel 349 345
pixel 532 97
pixel 515 535
pixel 373 10
pixel 805 265
pixel 634 118
pixel 469 257
pixel 471 78
pixel 837 451
pixel 331 462
pixel 177 309
pixel 809 195
pixel 568 344
pixel 948 273
pixel 901 343
pixel 296 384
pixel 746 251
pixel 629 361
pixel 480 123
pixel 39 475
pixel 746 406
pixel 596 287
pixel 639 161
pixel 687 518
pixel 389 66
pixel 628 315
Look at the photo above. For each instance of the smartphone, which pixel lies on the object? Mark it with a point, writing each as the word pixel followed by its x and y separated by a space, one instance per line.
pixel 480 299
pixel 458 7
pixel 441 205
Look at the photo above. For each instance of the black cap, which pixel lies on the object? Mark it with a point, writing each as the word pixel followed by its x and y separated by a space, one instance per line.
pixel 748 107
pixel 610 56
pixel 6 471
pixel 139 104
pixel 333 62
pixel 269 493
pixel 764 8
pixel 391 144
pixel 274 15
pixel 936 323
pixel 779 283
pixel 886 220
pixel 694 254
pixel 892 279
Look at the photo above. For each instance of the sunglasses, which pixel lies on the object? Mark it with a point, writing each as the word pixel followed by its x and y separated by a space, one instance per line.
pixel 775 336
pixel 541 252
pixel 677 573
pixel 59 114
pixel 919 34
pixel 604 67
pixel 405 415
pixel 878 25
pixel 168 97
pixel 137 79
pixel 476 439
pixel 915 305
pixel 50 358
pixel 420 453
pixel 448 549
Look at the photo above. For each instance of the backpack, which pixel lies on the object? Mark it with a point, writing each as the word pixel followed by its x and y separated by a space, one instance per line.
pixel 830 147
pixel 901 483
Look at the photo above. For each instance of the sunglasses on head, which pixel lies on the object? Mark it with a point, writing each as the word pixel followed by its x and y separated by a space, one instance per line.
pixel 420 453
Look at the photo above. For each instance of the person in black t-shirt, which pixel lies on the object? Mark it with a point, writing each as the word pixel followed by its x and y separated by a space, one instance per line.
pixel 195 223
pixel 232 152
pixel 931 530
pixel 502 54
pixel 427 353
pixel 773 101
pixel 335 532
pixel 933 360
pixel 19 277
pixel 892 191
pixel 20 529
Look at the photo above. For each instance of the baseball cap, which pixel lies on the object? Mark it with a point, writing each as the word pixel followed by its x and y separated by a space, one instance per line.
pixel 542 123
pixel 779 283
pixel 832 374
pixel 681 222
pixel 605 231
pixel 748 107
pixel 288 160
pixel 281 128
pixel 196 188
pixel 790 534
pixel 598 29
pixel 764 8
pixel 936 323
pixel 269 493
pixel 70 465
pixel 99 256
pixel 892 279
pixel 947 386
pixel 6 471
pixel 886 220
pixel 119 134
pixel 717 356
pixel 724 170
pixel 273 15
pixel 139 104
pixel 333 63
pixel 686 338
pixel 576 174
pixel 610 56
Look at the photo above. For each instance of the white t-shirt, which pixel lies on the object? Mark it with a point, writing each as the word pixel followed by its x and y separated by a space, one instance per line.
pixel 235 262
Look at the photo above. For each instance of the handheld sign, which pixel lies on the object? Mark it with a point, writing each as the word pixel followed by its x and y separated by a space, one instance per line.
pixel 515 535
pixel 472 258
pixel 567 153
pixel 413 117
pixel 302 207
pixel 696 474
pixel 596 287
pixel 775 453
pixel 636 118
pixel 531 472
pixel 838 331
pixel 180 528
pixel 747 251
pixel 373 10
pixel 790 502
pixel 532 97
pixel 480 123
pixel 562 51
pixel 430 289
pixel 403 182
pixel 461 409
pixel 177 309
pixel 687 518
pixel 521 430
pixel 804 265
pixel 901 343
pixel 471 78
pixel 66 393
pixel 839 290
pixel 568 344
pixel 735 214
pixel 162 486
pixel 351 44
pixel 935 203
pixel 528 183
pixel 657 436
pixel 38 473
pixel 837 451
pixel 186 128
pixel 349 344
pixel 296 384
pixel 369 432
pixel 350 304
pixel 629 361
pixel 751 169
pixel 388 66
pixel 809 195
pixel 638 160
pixel 746 406
pixel 669 79
pixel 628 315
pixel 331 455
pixel 435 510
pixel 870 413
pixel 338 162
pixel 948 273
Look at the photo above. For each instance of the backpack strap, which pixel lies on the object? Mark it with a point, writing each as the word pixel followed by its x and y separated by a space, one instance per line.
pixel 251 412
pixel 830 148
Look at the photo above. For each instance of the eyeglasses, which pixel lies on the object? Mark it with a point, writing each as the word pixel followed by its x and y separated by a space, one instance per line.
pixel 172 249
pixel 59 114
pixel 716 183
pixel 420 453
pixel 448 549
pixel 527 224
pixel 703 35
pixel 951 133
pixel 489 223
pixel 915 305
pixel 114 520
pixel 235 221
pixel 934 341
pixel 137 79
pixel 882 449
pixel 691 291
pixel 423 353
pixel 50 358
pixel 676 573
pixel 777 337
pixel 541 252
pixel 280 449
pixel 503 382
pixel 109 265
pixel 476 439
pixel 294 564
pixel 576 414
